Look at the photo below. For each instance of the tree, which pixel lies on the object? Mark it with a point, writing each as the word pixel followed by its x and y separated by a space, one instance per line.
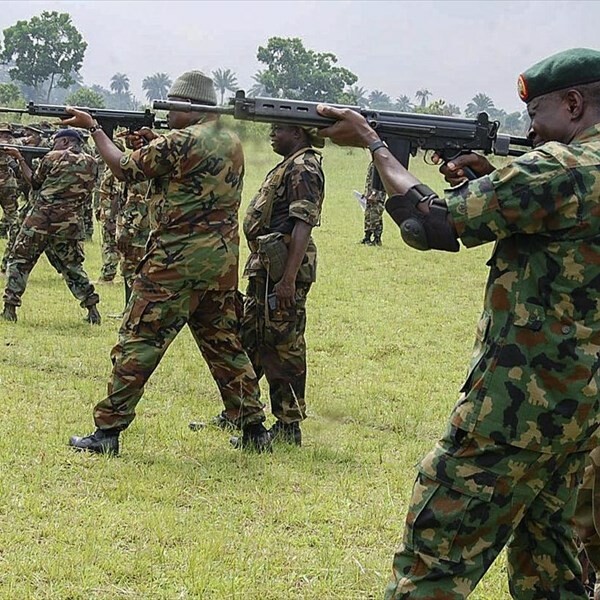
pixel 225 80
pixel 422 95
pixel 119 83
pixel 479 103
pixel 379 100
pixel 258 87
pixel 357 95
pixel 44 49
pixel 10 95
pixel 86 97
pixel 403 104
pixel 156 86
pixel 296 72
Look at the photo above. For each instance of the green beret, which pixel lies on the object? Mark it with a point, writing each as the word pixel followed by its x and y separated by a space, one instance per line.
pixel 566 69
pixel 194 86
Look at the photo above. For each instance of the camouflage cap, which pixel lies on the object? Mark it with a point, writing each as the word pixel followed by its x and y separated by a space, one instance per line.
pixel 313 135
pixel 5 128
pixel 566 69
pixel 33 129
pixel 194 86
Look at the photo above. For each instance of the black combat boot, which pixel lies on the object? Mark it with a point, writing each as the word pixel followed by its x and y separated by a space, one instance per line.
pixel 9 313
pixel 224 421
pixel 93 316
pixel 377 239
pixel 290 433
pixel 254 438
pixel 102 441
pixel 367 238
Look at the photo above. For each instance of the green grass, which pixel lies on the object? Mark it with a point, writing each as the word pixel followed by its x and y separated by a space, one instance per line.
pixel 181 514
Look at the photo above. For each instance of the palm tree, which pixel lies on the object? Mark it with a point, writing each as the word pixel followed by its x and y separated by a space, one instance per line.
pixel 258 87
pixel 224 81
pixel 379 99
pixel 403 104
pixel 423 96
pixel 119 83
pixel 479 103
pixel 357 95
pixel 156 86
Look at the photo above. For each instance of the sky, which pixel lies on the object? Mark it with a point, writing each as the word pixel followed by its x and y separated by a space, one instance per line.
pixel 455 49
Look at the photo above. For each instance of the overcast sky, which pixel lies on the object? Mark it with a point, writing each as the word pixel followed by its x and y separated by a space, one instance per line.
pixel 455 49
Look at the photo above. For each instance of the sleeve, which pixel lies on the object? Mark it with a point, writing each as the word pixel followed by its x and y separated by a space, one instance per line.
pixel 533 194
pixel 42 170
pixel 160 157
pixel 305 188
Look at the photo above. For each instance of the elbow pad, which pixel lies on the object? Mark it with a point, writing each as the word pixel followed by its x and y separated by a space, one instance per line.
pixel 428 230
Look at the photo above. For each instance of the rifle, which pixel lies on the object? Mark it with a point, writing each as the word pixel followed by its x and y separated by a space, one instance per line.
pixel 107 118
pixel 28 152
pixel 404 133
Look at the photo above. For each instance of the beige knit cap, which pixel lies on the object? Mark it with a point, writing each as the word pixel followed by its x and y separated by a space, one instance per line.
pixel 194 86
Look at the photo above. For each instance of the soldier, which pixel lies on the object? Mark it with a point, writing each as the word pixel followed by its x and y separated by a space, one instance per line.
pixel 110 198
pixel 375 202
pixel 281 269
pixel 9 190
pixel 63 179
pixel 190 271
pixel 507 469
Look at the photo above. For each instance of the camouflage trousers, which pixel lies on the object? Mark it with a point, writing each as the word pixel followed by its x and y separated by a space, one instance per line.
pixel 471 498
pixel 153 318
pixel 587 514
pixel 374 214
pixel 131 257
pixel 88 219
pixel 10 210
pixel 274 341
pixel 65 255
pixel 110 253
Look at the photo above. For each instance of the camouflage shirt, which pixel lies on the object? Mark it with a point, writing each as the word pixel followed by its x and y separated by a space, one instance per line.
pixel 298 196
pixel 63 181
pixel 533 379
pixel 194 240
pixel 132 220
pixel 8 171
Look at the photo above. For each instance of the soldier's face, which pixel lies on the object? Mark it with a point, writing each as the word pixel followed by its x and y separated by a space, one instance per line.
pixel 550 120
pixel 283 139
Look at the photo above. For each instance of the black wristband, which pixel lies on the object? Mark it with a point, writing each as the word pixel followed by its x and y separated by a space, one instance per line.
pixel 376 145
pixel 94 128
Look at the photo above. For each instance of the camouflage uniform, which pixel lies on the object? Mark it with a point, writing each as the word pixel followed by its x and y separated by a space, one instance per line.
pixel 63 181
pixel 133 229
pixel 274 339
pixel 9 191
pixel 110 197
pixel 375 202
pixel 189 273
pixel 507 469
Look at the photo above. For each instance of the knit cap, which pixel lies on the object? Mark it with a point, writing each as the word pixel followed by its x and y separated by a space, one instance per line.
pixel 194 86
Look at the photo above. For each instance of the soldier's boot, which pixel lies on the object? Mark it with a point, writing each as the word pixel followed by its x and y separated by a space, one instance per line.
pixel 102 441
pixel 223 421
pixel 93 316
pixel 367 238
pixel 377 239
pixel 254 438
pixel 290 433
pixel 9 313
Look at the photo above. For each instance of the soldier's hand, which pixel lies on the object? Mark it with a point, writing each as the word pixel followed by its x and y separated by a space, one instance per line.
pixel 286 293
pixel 145 135
pixel 454 171
pixel 14 153
pixel 351 128
pixel 79 119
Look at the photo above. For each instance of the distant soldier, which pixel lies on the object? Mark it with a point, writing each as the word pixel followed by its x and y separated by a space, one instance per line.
pixel 375 202
pixel 110 197
pixel 9 188
pixel 63 179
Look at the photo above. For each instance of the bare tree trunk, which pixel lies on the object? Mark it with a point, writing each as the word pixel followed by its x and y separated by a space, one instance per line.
pixel 50 86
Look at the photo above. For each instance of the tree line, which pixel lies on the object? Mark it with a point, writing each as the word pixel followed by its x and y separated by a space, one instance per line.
pixel 40 60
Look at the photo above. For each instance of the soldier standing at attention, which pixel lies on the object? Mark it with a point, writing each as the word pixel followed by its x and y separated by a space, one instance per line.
pixel 375 202
pixel 63 180
pixel 507 470
pixel 281 269
pixel 189 274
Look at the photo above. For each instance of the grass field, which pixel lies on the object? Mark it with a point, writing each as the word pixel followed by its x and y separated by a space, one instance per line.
pixel 181 514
